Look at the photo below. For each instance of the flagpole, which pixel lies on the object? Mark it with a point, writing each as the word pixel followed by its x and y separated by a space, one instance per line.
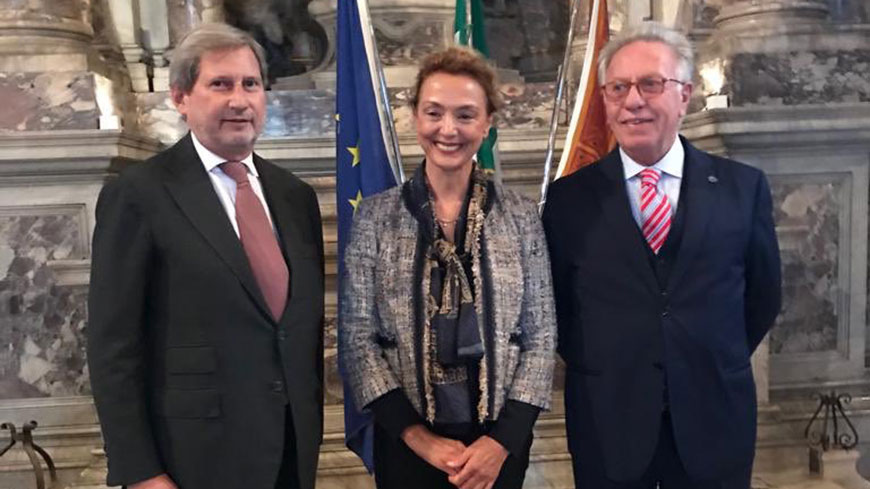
pixel 554 118
pixel 496 158
pixel 382 95
pixel 469 32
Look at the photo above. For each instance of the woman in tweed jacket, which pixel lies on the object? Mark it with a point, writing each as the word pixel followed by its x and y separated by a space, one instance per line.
pixel 447 326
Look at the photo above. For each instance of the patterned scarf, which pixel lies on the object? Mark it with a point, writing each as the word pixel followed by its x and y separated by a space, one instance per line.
pixel 453 316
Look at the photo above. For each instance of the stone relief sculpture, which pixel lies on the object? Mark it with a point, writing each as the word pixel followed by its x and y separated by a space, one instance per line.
pixel 293 40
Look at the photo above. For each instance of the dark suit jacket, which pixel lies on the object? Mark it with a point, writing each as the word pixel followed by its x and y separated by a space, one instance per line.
pixel 190 373
pixel 623 336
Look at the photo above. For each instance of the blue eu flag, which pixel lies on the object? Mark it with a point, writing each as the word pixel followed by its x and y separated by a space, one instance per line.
pixel 363 167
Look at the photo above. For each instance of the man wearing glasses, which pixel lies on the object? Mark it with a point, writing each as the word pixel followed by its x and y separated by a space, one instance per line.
pixel 667 277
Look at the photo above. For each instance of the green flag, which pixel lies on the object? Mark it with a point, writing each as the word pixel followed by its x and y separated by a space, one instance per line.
pixel 468 30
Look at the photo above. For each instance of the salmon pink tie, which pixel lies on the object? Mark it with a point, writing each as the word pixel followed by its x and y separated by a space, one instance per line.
pixel 655 210
pixel 259 242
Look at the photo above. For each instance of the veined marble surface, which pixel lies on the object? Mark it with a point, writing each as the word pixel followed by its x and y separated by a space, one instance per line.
pixel 42 338
pixel 311 113
pixel 794 78
pixel 807 218
pixel 48 101
pixel 46 10
pixel 407 41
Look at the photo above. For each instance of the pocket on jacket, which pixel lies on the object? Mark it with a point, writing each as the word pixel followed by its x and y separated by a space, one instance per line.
pixel 512 362
pixel 191 360
pixel 191 404
pixel 390 351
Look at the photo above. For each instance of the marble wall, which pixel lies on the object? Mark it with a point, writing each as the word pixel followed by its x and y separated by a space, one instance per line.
pixel 40 10
pixel 799 77
pixel 48 101
pixel 403 41
pixel 42 338
pixel 309 113
pixel 807 217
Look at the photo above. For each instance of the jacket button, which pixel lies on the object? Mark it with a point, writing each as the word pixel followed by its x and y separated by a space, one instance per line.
pixel 666 313
pixel 282 335
pixel 277 386
pixel 658 366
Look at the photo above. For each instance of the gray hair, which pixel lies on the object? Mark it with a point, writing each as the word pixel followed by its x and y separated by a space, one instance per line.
pixel 651 31
pixel 184 67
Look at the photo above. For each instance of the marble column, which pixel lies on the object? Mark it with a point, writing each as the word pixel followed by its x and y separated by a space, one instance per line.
pixel 125 17
pixel 44 35
pixel 770 15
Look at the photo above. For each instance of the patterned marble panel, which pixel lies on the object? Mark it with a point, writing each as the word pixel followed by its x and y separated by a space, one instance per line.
pixel 47 101
pixel 300 113
pixel 402 40
pixel 157 117
pixel 794 78
pixel 527 106
pixel 311 113
pixel 808 223
pixel 41 324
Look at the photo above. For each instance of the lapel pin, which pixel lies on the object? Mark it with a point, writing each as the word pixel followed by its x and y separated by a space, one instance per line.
pixel 712 179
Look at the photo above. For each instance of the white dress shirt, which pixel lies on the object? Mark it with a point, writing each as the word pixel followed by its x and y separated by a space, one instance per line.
pixel 224 186
pixel 671 168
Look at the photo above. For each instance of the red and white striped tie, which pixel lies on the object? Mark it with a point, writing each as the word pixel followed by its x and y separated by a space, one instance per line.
pixel 655 210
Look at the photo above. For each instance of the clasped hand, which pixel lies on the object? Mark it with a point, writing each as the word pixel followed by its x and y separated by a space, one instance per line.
pixel 473 467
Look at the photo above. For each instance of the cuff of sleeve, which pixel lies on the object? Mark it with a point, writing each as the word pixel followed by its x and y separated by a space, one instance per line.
pixel 514 426
pixel 394 412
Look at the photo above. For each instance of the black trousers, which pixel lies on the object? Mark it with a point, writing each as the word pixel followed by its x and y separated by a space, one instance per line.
pixel 666 470
pixel 398 467
pixel 288 475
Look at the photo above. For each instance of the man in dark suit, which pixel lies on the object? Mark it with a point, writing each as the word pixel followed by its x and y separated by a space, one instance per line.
pixel 206 300
pixel 667 276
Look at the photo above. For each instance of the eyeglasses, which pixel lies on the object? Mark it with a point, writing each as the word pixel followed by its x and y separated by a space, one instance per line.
pixel 648 87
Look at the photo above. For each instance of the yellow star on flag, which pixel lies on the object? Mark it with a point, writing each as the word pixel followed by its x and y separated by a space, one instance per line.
pixel 355 202
pixel 354 150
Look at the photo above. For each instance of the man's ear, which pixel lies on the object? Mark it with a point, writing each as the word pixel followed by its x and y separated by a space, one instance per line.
pixel 686 91
pixel 179 100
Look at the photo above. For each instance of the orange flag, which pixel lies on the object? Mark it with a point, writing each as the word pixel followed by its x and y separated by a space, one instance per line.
pixel 589 137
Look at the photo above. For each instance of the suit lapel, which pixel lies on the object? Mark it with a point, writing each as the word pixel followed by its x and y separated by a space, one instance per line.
pixel 192 190
pixel 617 211
pixel 700 200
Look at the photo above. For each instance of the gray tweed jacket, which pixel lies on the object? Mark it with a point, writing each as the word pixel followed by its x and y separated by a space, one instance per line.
pixel 377 335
